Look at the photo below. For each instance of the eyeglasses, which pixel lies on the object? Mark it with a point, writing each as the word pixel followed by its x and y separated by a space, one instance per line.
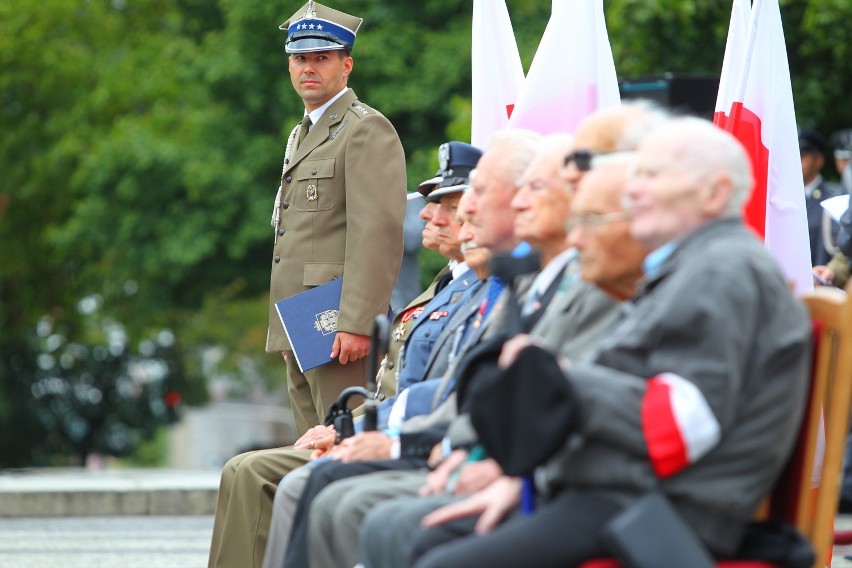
pixel 585 160
pixel 592 221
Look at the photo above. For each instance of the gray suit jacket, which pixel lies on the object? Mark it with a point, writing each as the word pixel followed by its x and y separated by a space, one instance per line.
pixel 576 317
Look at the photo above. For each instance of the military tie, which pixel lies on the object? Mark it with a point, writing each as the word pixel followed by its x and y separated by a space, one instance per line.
pixel 303 131
pixel 443 281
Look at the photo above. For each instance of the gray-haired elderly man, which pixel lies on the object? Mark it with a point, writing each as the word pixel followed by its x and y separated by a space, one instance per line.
pixel 697 392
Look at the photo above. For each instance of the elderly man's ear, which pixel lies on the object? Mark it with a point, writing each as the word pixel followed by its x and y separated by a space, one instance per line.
pixel 715 194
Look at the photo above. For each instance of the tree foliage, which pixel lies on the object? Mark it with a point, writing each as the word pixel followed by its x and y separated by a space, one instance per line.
pixel 142 144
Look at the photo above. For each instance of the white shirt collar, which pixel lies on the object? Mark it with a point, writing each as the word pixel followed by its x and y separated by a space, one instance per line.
pixel 458 269
pixel 317 113
pixel 548 274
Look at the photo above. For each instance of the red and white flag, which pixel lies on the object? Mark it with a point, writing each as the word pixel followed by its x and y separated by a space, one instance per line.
pixel 732 65
pixel 572 74
pixel 497 73
pixel 760 114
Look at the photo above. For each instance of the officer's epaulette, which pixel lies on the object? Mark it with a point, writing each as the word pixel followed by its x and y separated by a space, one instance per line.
pixel 361 110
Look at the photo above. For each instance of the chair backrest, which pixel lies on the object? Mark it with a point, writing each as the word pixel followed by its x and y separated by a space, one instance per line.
pixel 795 499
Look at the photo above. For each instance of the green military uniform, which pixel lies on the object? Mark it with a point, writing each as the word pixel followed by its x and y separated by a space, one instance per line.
pixel 341 207
pixel 338 213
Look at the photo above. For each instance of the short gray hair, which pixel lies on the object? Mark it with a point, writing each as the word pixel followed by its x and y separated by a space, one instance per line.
pixel 523 145
pixel 710 149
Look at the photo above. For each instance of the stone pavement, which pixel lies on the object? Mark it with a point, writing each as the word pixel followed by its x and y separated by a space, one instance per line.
pixel 105 542
pixel 137 542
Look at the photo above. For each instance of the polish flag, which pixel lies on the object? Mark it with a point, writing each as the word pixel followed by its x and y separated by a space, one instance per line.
pixel 759 111
pixel 572 74
pixel 497 73
pixel 732 65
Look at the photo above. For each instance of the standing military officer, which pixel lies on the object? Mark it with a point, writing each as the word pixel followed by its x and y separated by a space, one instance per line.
pixel 339 208
pixel 817 190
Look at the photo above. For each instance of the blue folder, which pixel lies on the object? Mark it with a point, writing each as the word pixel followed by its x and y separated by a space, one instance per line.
pixel 310 322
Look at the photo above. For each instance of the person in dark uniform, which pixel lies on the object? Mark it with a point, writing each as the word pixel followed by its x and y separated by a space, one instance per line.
pixel 812 148
pixel 836 272
pixel 842 142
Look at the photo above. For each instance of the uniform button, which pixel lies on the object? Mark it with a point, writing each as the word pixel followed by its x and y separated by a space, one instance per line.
pixel 288 179
pixel 390 364
pixel 285 205
pixel 313 172
pixel 277 259
pixel 280 231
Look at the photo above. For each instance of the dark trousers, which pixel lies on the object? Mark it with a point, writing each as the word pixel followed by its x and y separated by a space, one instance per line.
pixel 561 533
pixel 321 476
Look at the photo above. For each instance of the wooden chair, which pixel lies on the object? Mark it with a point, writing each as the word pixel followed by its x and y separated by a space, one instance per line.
pixel 794 500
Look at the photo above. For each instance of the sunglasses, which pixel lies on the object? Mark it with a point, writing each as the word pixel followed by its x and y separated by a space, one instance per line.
pixel 582 159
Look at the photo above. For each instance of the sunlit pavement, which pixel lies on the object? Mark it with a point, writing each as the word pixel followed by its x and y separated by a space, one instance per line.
pixel 105 542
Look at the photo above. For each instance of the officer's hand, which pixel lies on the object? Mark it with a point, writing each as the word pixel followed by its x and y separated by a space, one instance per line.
pixel 350 347
pixel 316 434
pixel 823 274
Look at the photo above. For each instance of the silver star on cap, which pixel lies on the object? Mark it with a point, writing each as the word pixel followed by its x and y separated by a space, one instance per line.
pixel 311 26
pixel 319 26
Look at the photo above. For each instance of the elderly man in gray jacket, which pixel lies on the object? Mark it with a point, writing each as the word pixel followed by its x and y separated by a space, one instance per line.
pixel 697 392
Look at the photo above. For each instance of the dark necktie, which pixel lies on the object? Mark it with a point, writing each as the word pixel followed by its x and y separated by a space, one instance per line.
pixel 303 131
pixel 443 281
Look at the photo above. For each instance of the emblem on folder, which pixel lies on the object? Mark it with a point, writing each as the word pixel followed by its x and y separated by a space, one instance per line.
pixel 326 321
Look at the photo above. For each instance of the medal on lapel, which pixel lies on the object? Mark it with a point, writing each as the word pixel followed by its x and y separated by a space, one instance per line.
pixel 399 331
pixel 311 193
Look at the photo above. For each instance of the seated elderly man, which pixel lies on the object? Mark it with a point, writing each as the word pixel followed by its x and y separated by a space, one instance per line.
pixel 249 480
pixel 697 392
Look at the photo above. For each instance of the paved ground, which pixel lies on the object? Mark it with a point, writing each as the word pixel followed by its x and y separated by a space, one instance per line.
pixel 136 542
pixel 105 542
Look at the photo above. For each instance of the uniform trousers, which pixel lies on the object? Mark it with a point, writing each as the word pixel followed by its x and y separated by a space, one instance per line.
pixel 562 533
pixel 334 526
pixel 244 505
pixel 321 476
pixel 312 392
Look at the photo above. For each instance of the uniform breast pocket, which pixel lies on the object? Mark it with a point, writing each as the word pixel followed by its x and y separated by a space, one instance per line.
pixel 314 188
